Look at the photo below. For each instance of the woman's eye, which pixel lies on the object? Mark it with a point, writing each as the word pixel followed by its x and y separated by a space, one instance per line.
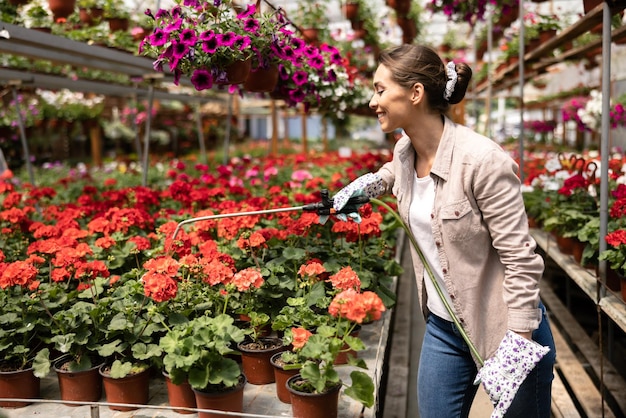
pixel 380 92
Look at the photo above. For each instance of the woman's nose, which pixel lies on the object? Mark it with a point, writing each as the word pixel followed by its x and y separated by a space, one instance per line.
pixel 373 102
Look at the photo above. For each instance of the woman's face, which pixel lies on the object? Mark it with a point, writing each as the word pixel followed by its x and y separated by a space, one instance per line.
pixel 391 102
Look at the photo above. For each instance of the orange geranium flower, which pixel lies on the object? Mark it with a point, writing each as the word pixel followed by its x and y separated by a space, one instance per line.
pixel 247 278
pixel 346 278
pixel 300 337
pixel 357 307
pixel 311 270
pixel 19 273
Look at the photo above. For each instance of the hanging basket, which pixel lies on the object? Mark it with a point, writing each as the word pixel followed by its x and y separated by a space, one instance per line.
pixel 589 5
pixel 262 80
pixel 351 10
pixel 236 73
pixel 118 24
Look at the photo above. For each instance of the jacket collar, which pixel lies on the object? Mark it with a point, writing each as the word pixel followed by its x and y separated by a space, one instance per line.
pixel 443 158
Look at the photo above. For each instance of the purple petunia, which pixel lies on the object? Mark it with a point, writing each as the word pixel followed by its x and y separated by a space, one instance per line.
pixel 202 79
pixel 300 77
pixel 226 39
pixel 158 37
pixel 188 37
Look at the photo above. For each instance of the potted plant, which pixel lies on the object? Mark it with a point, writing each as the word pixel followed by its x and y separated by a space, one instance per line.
pixel 132 328
pixel 318 374
pixel 210 45
pixel 471 11
pixel 269 45
pixel 23 323
pixel 117 13
pixel 287 363
pixel 311 20
pixel 37 15
pixel 91 12
pixel 199 351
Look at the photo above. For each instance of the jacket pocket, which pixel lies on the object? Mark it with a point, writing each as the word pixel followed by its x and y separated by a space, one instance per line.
pixel 458 221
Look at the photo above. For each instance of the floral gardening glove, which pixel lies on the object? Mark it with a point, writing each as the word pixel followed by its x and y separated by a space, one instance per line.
pixel 370 185
pixel 503 373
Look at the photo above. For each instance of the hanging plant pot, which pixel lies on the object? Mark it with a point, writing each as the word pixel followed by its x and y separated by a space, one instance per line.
pixel 18 384
pixel 311 35
pixel 589 5
pixel 118 24
pixel 90 16
pixel 230 399
pixel 255 359
pixel 351 10
pixel 313 405
pixel 180 395
pixel 281 376
pixel 132 389
pixel 61 8
pixel 262 80
pixel 85 385
pixel 236 73
pixel 18 2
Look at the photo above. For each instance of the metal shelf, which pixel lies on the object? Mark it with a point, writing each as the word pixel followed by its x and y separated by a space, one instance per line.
pixel 35 44
pixel 586 279
pixel 537 61
pixel 40 45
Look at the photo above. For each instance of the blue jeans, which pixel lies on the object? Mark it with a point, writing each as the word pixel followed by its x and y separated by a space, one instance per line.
pixel 446 375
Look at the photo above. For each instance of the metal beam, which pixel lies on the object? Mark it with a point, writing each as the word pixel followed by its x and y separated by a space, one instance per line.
pixel 41 44
pixel 54 82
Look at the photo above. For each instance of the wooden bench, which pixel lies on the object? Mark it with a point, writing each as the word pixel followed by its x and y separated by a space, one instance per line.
pixel 575 393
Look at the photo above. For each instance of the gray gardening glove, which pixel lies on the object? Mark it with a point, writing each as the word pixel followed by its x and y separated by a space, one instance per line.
pixel 503 373
pixel 370 185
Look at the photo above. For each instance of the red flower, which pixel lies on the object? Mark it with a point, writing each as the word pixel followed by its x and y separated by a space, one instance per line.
pixel 158 286
pixel 346 278
pixel 19 273
pixel 616 238
pixel 162 265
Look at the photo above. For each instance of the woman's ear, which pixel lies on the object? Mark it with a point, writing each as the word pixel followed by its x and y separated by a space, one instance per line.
pixel 417 93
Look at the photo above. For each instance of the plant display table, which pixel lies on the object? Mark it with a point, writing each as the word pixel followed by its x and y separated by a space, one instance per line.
pixel 259 400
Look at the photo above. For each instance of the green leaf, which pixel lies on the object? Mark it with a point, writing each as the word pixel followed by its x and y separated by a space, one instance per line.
pixel 362 388
pixel 120 369
pixel 293 253
pixel 41 363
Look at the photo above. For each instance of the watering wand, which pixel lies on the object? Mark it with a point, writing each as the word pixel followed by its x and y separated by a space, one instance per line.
pixel 324 207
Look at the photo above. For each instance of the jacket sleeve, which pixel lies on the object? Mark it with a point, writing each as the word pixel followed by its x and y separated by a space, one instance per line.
pixel 498 195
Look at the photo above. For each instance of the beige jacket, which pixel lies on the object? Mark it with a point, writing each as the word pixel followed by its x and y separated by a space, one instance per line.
pixel 491 270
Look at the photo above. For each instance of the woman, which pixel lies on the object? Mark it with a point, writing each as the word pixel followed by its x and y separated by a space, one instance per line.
pixel 460 194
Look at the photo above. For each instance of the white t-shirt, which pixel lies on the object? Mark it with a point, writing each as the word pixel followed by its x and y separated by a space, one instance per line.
pixel 419 220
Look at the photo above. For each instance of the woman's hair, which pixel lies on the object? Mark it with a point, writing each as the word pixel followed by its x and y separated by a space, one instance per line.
pixel 410 64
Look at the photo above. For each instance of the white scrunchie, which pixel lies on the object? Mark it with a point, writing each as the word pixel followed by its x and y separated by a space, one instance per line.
pixel 452 77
